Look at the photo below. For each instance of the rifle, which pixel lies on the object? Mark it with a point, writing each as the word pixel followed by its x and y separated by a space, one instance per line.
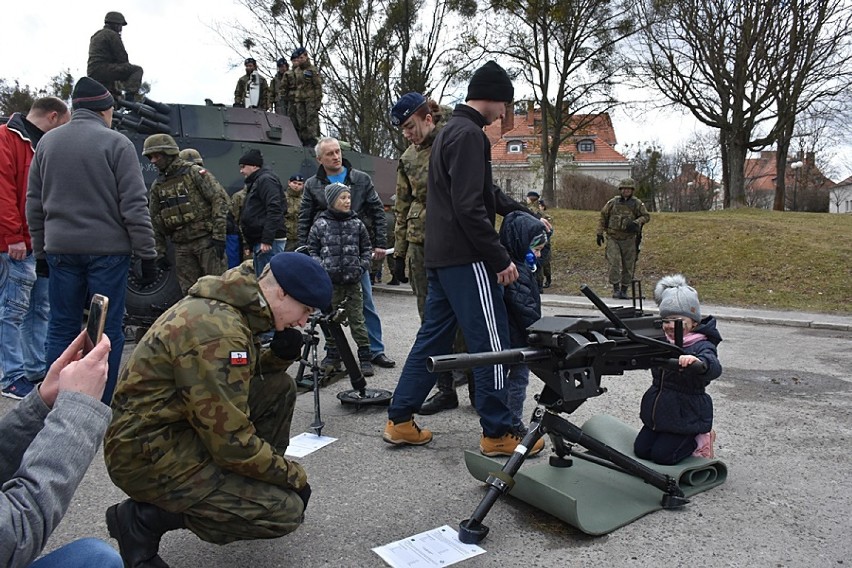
pixel 570 355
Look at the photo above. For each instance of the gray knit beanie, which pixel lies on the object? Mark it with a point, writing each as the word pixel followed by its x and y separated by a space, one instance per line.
pixel 333 191
pixel 676 298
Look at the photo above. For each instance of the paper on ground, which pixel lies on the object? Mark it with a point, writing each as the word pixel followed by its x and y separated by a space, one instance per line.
pixel 438 547
pixel 307 443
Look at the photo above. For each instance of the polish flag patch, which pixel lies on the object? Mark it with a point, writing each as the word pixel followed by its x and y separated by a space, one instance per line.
pixel 239 358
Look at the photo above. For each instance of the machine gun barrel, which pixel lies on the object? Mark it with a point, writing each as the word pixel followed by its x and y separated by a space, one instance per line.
pixel 441 363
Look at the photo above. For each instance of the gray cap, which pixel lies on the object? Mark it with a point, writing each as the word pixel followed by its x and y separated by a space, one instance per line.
pixel 676 298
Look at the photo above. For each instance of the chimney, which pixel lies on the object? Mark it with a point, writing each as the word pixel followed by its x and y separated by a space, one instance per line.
pixel 508 122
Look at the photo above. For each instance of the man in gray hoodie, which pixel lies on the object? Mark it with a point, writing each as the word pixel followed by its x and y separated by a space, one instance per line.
pixel 87 208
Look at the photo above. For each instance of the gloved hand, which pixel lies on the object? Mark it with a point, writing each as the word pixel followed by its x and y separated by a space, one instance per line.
pixel 149 272
pixel 600 240
pixel 218 247
pixel 287 344
pixel 305 495
pixel 633 227
pixel 163 263
pixel 42 268
pixel 399 269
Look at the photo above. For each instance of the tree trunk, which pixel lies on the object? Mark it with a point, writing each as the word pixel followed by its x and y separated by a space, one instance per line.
pixel 781 167
pixel 726 170
pixel 737 148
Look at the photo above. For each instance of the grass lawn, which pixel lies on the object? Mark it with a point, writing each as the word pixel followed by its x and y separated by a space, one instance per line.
pixel 743 257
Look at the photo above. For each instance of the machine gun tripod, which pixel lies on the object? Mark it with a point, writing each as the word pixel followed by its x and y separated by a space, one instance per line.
pixel 359 395
pixel 571 354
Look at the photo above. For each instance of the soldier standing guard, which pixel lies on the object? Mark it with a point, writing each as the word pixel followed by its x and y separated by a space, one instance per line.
pixel 188 206
pixel 294 202
pixel 249 82
pixel 622 219
pixel 279 90
pixel 307 97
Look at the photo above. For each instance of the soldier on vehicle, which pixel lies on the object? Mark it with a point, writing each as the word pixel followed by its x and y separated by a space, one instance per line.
pixel 294 203
pixel 249 84
pixel 622 219
pixel 279 90
pixel 307 97
pixel 108 61
pixel 189 206
pixel 202 413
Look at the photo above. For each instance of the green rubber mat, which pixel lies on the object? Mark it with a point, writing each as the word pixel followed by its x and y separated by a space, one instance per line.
pixel 595 499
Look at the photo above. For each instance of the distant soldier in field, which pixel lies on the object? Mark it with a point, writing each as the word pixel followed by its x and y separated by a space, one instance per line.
pixel 307 97
pixel 108 61
pixel 189 206
pixel 245 83
pixel 279 90
pixel 294 202
pixel 621 220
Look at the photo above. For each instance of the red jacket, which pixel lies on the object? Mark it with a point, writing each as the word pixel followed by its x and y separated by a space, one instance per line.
pixel 16 153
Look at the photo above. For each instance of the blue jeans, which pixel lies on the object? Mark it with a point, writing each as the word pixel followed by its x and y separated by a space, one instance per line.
pixel 24 312
pixel 81 553
pixel 74 278
pixel 519 378
pixel 261 259
pixel 371 317
pixel 469 297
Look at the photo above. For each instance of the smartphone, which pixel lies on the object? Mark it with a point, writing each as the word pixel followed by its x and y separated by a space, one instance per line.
pixel 96 321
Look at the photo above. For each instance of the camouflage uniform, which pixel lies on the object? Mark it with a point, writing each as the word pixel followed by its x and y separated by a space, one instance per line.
pixel 241 92
pixel 291 218
pixel 108 62
pixel 615 218
pixel 279 93
pixel 307 98
pixel 201 416
pixel 189 207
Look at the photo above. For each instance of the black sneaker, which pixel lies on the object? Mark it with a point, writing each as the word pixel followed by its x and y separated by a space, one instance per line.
pixel 18 390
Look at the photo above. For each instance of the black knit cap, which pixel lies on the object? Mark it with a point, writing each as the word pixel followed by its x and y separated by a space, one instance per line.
pixel 252 158
pixel 90 94
pixel 490 83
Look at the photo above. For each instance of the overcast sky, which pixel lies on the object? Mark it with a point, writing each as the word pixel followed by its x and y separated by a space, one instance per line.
pixel 185 61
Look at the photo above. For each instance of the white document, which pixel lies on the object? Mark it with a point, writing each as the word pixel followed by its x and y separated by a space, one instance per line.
pixel 438 547
pixel 307 443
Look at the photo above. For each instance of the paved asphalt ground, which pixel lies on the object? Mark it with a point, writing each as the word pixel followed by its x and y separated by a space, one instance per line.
pixel 784 423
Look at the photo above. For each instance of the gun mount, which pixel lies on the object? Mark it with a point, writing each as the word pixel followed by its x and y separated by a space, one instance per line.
pixel 222 134
pixel 571 355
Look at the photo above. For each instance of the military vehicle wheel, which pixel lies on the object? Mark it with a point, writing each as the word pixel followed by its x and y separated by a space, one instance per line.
pixel 145 304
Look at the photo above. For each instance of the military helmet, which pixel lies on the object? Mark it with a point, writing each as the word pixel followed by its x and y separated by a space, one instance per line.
pixel 627 183
pixel 115 18
pixel 162 143
pixel 191 155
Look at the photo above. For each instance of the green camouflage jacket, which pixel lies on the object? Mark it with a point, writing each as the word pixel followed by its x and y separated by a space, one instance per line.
pixel 180 410
pixel 242 88
pixel 291 218
pixel 105 47
pixel 617 214
pixel 279 91
pixel 307 83
pixel 411 176
pixel 187 203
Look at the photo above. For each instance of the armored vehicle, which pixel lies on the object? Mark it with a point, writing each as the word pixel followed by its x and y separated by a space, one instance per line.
pixel 222 135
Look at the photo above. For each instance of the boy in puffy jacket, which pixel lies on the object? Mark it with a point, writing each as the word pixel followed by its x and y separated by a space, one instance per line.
pixel 676 411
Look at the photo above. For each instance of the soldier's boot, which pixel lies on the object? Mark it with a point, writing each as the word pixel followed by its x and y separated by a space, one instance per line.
pixel 616 291
pixel 331 360
pixel 138 528
pixel 445 399
pixel 364 360
pixel 623 293
pixel 394 281
pixel 547 281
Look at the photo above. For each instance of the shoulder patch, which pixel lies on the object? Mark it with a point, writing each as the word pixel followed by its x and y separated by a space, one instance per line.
pixel 239 358
pixel 202 171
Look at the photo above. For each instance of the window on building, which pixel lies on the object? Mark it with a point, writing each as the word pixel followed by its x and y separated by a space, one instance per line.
pixel 514 147
pixel 585 146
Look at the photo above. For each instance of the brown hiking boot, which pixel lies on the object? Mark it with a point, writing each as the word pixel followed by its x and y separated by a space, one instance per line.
pixel 505 445
pixel 406 433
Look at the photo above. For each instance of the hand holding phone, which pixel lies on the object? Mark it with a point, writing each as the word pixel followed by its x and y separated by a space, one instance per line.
pixel 95 322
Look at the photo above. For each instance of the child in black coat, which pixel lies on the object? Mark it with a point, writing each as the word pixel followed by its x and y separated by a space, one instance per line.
pixel 677 412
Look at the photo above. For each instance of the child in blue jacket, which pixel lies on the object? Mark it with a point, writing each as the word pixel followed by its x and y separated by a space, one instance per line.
pixel 524 237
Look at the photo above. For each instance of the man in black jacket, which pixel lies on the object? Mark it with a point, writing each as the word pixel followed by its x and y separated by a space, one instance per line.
pixel 466 270
pixel 334 168
pixel 262 217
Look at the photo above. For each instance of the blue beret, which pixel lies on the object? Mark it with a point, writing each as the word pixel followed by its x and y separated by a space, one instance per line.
pixel 281 61
pixel 303 278
pixel 533 194
pixel 250 60
pixel 405 107
pixel 297 52
pixel 297 177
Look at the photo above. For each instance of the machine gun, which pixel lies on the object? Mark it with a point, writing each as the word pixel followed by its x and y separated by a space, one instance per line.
pixel 146 117
pixel 571 354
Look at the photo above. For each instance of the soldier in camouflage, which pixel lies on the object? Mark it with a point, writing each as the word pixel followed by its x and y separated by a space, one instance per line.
pixel 307 97
pixel 294 202
pixel 244 84
pixel 108 61
pixel 279 89
pixel 189 207
pixel 543 276
pixel 621 220
pixel 202 413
